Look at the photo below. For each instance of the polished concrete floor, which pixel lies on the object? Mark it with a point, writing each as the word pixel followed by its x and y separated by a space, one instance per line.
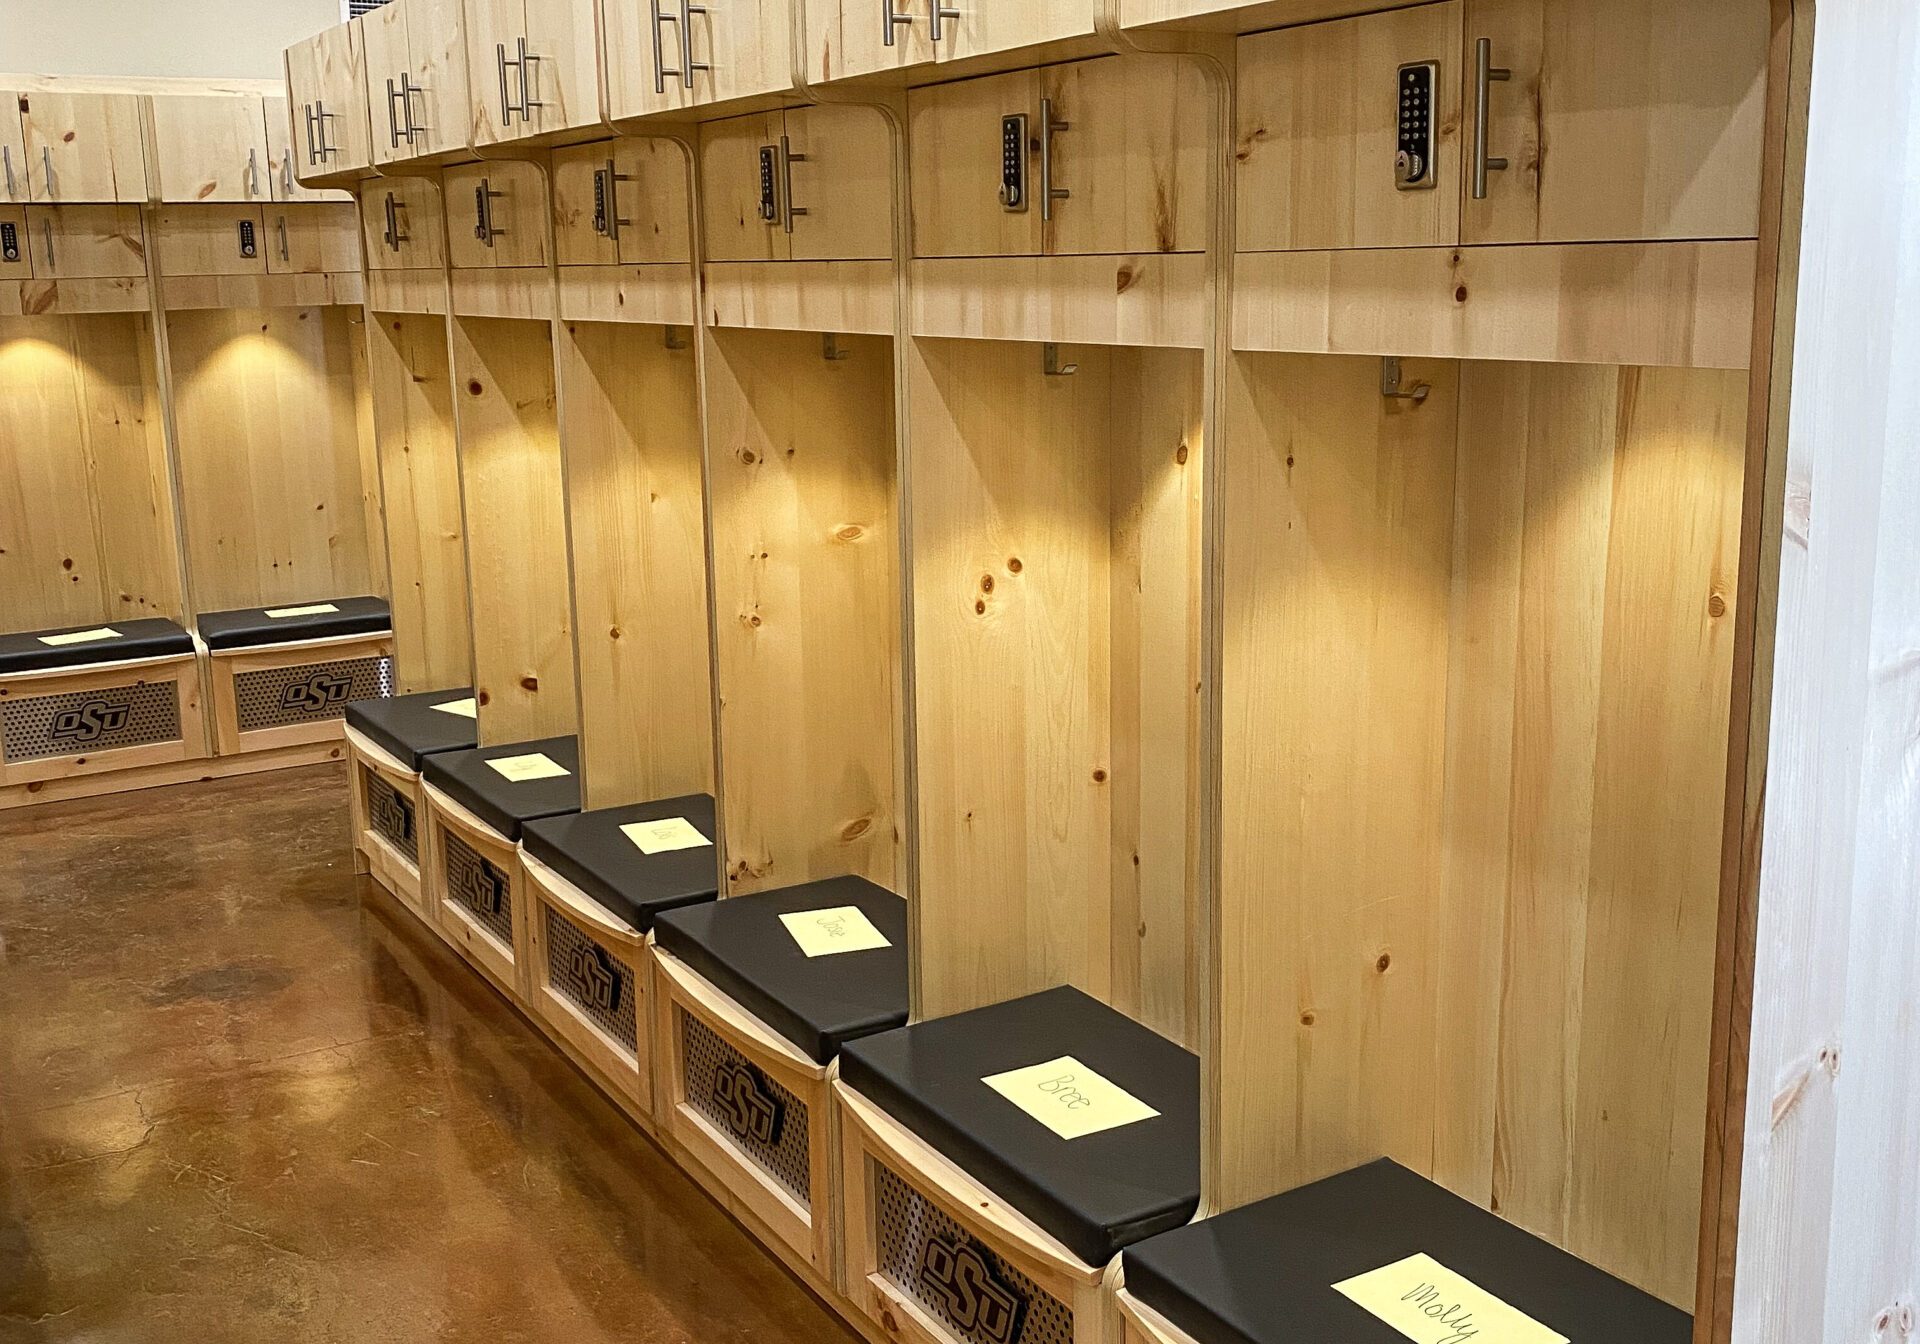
pixel 243 1098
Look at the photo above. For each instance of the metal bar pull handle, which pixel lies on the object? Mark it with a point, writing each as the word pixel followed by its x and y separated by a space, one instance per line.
pixel 687 64
pixel 321 118
pixel 46 233
pixel 1485 73
pixel 787 159
pixel 506 99
pixel 938 16
pixel 407 91
pixel 393 121
pixel 527 101
pixel 6 157
pixel 1048 192
pixel 286 173
pixel 483 198
pixel 393 237
pixel 890 19
pixel 46 172
pixel 253 172
pixel 313 148
pixel 286 250
pixel 606 201
pixel 661 70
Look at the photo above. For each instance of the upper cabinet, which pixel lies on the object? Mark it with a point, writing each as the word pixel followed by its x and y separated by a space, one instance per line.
pixel 1503 121
pixel 861 37
pixel 416 65
pixel 664 55
pixel 1090 157
pixel 327 82
pixel 283 178
pixel 534 67
pixel 13 151
pixel 806 184
pixel 210 148
pixel 83 147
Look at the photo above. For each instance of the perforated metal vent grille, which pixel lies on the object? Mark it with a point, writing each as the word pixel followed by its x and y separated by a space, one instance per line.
pixel 481 889
pixel 978 1296
pixel 602 986
pixel 390 814
pixel 80 723
pixel 765 1121
pixel 275 697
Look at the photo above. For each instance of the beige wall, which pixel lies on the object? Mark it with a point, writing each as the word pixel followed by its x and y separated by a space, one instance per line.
pixel 215 38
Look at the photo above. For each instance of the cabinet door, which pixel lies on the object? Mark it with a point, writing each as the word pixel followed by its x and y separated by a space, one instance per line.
pixel 311 239
pixel 438 102
pixel 211 240
pixel 16 256
pixel 389 74
pixel 403 224
pixel 13 151
pixel 563 71
pixel 1318 132
pixel 497 215
pixel 841 181
pixel 209 149
pixel 84 147
pixel 583 234
pixel 326 79
pixel 863 37
pixel 620 202
pixel 985 26
pixel 644 66
pixel 1651 115
pixel 740 200
pixel 494 30
pixel 84 242
pixel 747 45
pixel 283 178
pixel 957 137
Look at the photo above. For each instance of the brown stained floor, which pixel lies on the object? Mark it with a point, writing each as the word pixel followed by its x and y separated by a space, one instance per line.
pixel 243 1097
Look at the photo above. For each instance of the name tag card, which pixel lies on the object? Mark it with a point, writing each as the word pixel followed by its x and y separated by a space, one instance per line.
pixel 466 709
pixel 1430 1304
pixel 828 933
pixel 287 613
pixel 79 637
pixel 665 836
pixel 521 769
pixel 1069 1098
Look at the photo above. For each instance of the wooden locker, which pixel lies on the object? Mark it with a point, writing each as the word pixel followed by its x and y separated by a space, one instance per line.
pixel 438 62
pixel 496 215
pixel 982 27
pixel 211 240
pixel 86 242
pixel 311 238
pixel 534 67
pixel 954 139
pixel 740 189
pixel 644 70
pixel 283 179
pixel 747 46
pixel 13 152
pixel 839 178
pixel 1625 119
pixel 389 74
pixel 327 81
pixel 645 184
pixel 403 225
pixel 83 147
pixel 209 148
pixel 1318 129
pixel 862 37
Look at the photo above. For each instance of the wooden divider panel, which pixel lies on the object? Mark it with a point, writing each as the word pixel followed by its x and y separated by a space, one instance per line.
pixel 412 398
pixel 806 549
pixel 636 511
pixel 266 405
pixel 1056 568
pixel 512 484
pixel 86 505
pixel 1477 663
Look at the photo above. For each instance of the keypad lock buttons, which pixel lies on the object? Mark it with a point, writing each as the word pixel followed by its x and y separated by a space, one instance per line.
pixel 9 242
pixel 1413 168
pixel 769 190
pixel 249 240
pixel 1013 164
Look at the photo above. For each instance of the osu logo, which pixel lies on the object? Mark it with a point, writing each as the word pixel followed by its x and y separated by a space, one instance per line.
pixel 391 814
pixel 594 978
pixel 488 894
pixel 750 1110
pixel 965 1287
pixel 89 722
pixel 321 691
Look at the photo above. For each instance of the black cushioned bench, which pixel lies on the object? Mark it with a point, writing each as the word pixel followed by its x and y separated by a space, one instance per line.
pixel 409 728
pixel 148 637
pixel 507 807
pixel 591 851
pixel 818 1003
pixel 1264 1274
pixel 1095 1194
pixel 252 627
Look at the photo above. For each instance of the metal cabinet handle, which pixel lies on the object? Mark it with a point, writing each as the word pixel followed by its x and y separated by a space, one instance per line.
pixel 606 200
pixel 6 156
pixel 483 198
pixel 393 122
pixel 46 167
pixel 286 253
pixel 938 15
pixel 253 173
pixel 286 173
pixel 518 64
pixel 661 70
pixel 1048 192
pixel 787 159
pixel 46 232
pixel 506 101
pixel 890 19
pixel 320 120
pixel 393 237
pixel 313 150
pixel 408 89
pixel 1485 73
pixel 687 64
pixel 527 101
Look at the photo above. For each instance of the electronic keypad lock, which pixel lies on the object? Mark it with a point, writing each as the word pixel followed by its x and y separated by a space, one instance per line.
pixel 769 191
pixel 1413 160
pixel 1013 164
pixel 249 242
pixel 10 242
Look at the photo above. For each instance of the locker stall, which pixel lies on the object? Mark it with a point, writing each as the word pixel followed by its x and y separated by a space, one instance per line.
pixel 755 994
pixel 1057 429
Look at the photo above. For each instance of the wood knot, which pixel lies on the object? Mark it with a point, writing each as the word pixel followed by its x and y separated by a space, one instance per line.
pixel 979 608
pixel 615 632
pixel 986 582
pixel 1180 455
pixel 529 683
pixel 1460 294
pixel 1307 1018
pixel 850 532
pixel 482 698
pixel 1125 278
pixel 1099 776
pixel 1385 960
pixel 475 387
pixel 854 829
pixel 1013 565
pixel 1716 605
pixel 747 457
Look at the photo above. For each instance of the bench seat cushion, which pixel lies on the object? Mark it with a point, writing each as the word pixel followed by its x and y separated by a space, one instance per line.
pixel 506 806
pixel 1263 1274
pixel 819 1003
pixel 591 851
pixel 149 637
pixel 409 728
pixel 253 627
pixel 1095 1194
